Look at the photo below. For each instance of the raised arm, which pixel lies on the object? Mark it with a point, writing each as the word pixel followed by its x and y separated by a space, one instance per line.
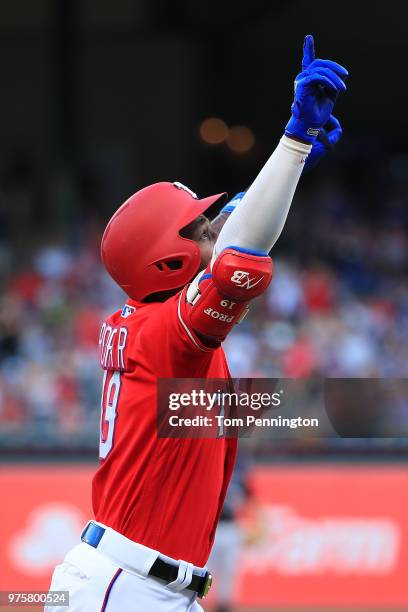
pixel 258 219
pixel 241 268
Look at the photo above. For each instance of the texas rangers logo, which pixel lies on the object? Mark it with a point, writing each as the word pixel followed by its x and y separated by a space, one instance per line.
pixel 242 279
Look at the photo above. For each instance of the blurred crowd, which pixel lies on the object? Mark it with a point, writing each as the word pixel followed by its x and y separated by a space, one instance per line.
pixel 337 307
pixel 50 316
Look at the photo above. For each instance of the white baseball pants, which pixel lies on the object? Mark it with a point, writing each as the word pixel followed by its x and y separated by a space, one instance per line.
pixel 97 584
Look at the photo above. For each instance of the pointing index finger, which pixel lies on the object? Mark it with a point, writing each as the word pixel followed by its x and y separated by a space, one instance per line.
pixel 308 51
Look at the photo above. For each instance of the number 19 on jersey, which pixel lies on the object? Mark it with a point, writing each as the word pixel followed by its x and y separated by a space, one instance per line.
pixel 109 402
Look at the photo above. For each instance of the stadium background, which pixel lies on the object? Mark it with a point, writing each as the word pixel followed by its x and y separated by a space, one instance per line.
pixel 99 98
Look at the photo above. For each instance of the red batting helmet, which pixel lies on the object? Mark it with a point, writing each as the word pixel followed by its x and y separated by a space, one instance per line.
pixel 142 248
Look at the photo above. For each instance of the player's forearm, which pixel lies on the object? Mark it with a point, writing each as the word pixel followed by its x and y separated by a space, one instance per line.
pixel 258 220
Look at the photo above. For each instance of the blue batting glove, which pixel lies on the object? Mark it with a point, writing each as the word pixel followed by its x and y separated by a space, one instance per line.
pixel 231 205
pixel 316 90
pixel 326 141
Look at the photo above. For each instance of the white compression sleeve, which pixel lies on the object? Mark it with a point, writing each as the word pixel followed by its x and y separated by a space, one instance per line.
pixel 258 220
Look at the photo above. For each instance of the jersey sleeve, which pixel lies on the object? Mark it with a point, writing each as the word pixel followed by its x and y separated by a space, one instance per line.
pixel 167 342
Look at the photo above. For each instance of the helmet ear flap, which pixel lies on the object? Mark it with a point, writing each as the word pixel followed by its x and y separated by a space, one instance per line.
pixel 169 265
pixel 174 264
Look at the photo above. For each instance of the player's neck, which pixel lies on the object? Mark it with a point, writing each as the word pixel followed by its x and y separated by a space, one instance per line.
pixel 160 296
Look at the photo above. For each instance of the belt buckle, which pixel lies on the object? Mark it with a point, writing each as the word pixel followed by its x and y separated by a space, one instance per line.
pixel 92 534
pixel 85 529
pixel 207 585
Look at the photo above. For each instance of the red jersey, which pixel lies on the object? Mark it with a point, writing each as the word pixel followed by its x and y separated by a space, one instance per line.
pixel 164 493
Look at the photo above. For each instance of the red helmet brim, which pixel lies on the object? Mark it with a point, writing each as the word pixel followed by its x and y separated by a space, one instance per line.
pixel 210 207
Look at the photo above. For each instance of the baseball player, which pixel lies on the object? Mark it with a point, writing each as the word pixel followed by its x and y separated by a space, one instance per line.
pixel 157 501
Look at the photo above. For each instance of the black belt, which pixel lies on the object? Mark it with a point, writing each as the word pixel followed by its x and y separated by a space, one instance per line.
pixel 162 568
pixel 165 570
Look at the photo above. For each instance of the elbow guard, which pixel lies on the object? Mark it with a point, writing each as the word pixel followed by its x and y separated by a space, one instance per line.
pixel 219 299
